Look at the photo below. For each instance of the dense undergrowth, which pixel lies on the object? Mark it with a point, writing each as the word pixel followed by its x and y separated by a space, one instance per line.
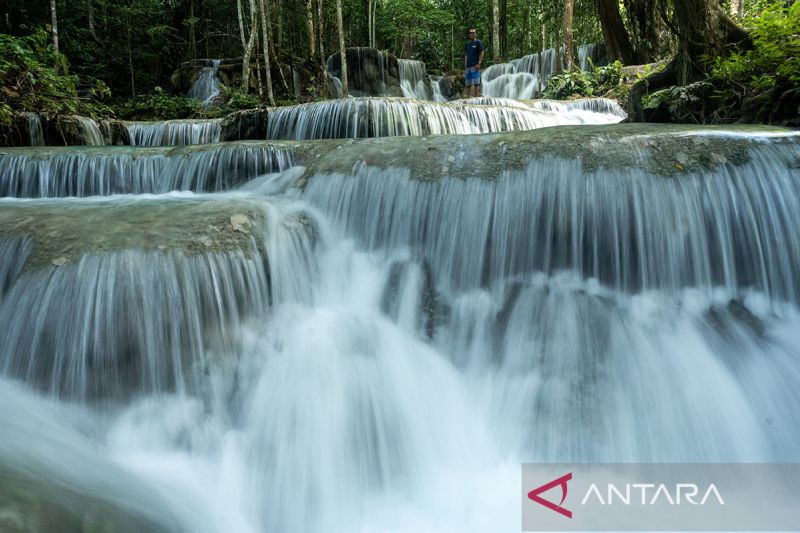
pixel 760 84
pixel 33 77
pixel 36 79
pixel 608 81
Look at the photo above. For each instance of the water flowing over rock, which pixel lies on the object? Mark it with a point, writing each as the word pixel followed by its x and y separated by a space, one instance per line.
pixel 49 173
pixel 370 72
pixel 592 55
pixel 414 80
pixel 337 345
pixel 35 130
pixel 206 85
pixel 525 77
pixel 383 117
pixel 174 132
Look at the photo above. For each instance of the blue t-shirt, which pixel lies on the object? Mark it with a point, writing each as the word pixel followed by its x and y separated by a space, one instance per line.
pixel 473 51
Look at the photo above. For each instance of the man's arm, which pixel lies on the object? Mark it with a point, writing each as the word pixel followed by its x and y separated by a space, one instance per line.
pixel 480 60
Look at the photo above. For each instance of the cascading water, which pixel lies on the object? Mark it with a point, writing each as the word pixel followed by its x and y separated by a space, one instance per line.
pixel 35 132
pixel 174 132
pixel 91 134
pixel 414 80
pixel 119 170
pixel 384 117
pixel 592 55
pixel 520 78
pixel 335 347
pixel 206 84
pixel 526 77
pixel 438 96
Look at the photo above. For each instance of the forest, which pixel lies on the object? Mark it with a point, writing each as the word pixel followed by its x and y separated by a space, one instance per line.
pixel 695 61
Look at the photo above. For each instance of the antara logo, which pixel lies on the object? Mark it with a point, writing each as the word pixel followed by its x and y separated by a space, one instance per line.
pixel 562 482
pixel 648 494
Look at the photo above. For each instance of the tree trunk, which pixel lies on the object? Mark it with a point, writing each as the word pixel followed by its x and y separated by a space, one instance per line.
pixel 644 29
pixel 369 23
pixel 312 39
pixel 539 57
pixel 528 46
pixel 54 26
pixel 569 53
pixel 90 13
pixel 130 56
pixel 192 36
pixel 503 28
pixel 699 33
pixel 322 66
pixel 240 13
pixel 496 29
pixel 342 53
pixel 258 64
pixel 374 25
pixel 248 51
pixel 703 30
pixel 264 5
pixel 618 44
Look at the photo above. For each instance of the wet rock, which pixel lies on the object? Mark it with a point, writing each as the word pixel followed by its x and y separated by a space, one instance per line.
pixel 250 124
pixel 370 72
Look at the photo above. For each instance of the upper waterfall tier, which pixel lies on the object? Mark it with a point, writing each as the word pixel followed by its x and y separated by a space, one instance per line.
pixel 122 170
pixel 657 150
pixel 340 118
pixel 634 206
pixel 389 117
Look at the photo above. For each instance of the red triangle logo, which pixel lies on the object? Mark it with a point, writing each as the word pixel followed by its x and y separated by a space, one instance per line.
pixel 562 482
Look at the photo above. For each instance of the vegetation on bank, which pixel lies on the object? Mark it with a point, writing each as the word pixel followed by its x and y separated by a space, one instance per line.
pixel 35 78
pixel 717 62
pixel 607 81
pixel 759 84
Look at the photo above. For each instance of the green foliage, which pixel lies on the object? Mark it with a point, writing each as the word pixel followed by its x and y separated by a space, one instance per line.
pixel 568 84
pixel 36 79
pixel 774 60
pixel 236 99
pixel 576 83
pixel 681 103
pixel 158 105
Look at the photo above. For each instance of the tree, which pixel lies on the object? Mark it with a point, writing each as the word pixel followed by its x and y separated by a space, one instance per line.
pixel 248 51
pixel 569 51
pixel 264 4
pixel 312 42
pixel 496 29
pixel 322 66
pixel 342 51
pixel 54 26
pixel 643 23
pixel 702 30
pixel 618 44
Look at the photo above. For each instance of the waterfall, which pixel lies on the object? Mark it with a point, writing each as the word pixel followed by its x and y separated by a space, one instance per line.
pixel 437 89
pixel 206 85
pixel 122 170
pixel 520 78
pixel 367 72
pixel 384 117
pixel 90 131
pixel 174 132
pixel 35 132
pixel 336 346
pixel 414 80
pixel 592 55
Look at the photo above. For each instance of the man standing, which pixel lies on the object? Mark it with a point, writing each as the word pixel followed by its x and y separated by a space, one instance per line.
pixel 473 59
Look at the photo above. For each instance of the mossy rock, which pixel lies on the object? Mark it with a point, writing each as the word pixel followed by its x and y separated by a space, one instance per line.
pixel 62 234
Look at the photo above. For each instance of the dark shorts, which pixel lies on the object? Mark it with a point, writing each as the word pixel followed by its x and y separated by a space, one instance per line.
pixel 473 77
